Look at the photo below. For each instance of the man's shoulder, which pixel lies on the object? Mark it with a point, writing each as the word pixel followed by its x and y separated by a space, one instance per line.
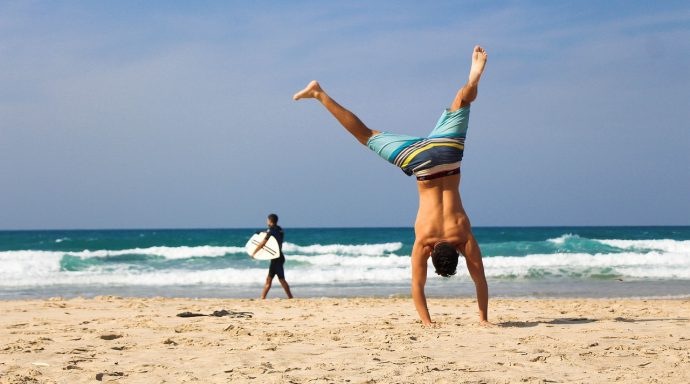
pixel 276 230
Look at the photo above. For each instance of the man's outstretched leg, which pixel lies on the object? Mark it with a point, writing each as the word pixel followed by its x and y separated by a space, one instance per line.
pixel 348 119
pixel 468 93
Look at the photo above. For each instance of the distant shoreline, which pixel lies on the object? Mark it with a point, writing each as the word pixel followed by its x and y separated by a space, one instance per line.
pixel 452 288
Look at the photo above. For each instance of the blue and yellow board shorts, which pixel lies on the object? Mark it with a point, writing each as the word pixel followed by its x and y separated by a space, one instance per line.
pixel 430 157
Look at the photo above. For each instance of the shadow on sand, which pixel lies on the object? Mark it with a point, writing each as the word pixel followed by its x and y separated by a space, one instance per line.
pixel 625 320
pixel 579 320
pixel 562 321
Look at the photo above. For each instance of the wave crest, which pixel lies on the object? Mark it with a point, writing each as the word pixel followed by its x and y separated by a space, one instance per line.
pixel 665 245
pixel 344 249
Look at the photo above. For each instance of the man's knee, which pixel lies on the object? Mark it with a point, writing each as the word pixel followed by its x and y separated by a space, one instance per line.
pixel 465 97
pixel 364 138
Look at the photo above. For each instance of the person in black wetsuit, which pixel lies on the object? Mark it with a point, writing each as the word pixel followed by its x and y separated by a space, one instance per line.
pixel 276 267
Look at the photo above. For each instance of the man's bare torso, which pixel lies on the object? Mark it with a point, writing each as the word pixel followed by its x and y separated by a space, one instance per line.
pixel 441 216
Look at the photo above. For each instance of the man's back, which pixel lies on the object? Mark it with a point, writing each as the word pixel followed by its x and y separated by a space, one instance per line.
pixel 441 216
pixel 442 219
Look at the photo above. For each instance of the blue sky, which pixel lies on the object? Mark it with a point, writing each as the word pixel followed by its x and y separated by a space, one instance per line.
pixel 171 114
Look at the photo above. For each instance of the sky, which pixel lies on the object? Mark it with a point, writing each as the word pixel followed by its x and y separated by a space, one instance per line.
pixel 168 114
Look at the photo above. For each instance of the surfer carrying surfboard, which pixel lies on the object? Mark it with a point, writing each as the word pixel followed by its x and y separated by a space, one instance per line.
pixel 276 267
pixel 442 228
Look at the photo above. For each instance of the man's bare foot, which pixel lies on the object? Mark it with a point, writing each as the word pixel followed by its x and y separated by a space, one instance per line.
pixel 311 91
pixel 486 324
pixel 479 57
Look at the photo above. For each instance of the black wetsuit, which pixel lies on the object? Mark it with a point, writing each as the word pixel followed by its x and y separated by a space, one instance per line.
pixel 276 267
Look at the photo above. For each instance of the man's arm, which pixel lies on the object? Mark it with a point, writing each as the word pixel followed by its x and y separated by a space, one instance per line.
pixel 261 245
pixel 475 267
pixel 419 269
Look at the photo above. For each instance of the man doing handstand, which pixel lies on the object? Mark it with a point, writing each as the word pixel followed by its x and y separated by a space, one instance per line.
pixel 442 227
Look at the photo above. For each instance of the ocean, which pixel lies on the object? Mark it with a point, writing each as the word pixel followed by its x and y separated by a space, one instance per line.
pixel 594 262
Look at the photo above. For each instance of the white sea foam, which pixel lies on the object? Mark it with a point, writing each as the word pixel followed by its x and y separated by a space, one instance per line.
pixel 227 276
pixel 343 249
pixel 330 269
pixel 332 260
pixel 326 264
pixel 651 265
pixel 166 252
pixel 560 240
pixel 184 252
pixel 665 245
pixel 16 264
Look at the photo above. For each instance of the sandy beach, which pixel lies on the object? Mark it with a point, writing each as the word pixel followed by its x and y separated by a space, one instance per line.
pixel 356 340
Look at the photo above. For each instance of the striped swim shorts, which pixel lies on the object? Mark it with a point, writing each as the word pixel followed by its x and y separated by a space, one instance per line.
pixel 430 157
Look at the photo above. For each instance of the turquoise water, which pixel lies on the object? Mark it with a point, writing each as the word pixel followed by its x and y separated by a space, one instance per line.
pixel 551 261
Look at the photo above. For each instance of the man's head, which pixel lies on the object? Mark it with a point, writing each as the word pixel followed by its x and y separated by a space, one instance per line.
pixel 444 256
pixel 272 219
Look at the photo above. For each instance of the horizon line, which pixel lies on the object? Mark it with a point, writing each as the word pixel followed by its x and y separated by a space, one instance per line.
pixel 337 227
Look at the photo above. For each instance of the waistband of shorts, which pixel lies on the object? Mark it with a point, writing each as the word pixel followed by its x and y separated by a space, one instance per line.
pixel 439 174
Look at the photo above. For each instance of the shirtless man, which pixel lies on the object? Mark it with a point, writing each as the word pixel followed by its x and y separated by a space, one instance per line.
pixel 442 228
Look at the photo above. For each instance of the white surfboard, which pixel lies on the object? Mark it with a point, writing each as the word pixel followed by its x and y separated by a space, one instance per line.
pixel 270 251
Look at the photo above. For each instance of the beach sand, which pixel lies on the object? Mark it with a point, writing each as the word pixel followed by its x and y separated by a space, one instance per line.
pixel 354 340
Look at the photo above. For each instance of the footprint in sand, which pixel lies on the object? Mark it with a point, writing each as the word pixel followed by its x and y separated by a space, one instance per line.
pixel 187 328
pixel 18 325
pixel 237 330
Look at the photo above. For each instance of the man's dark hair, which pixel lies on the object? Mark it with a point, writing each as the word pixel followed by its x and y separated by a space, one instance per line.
pixel 445 259
pixel 273 218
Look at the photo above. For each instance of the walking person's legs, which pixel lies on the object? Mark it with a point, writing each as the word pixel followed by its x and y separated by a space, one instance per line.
pixel 267 286
pixel 286 287
pixel 278 269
